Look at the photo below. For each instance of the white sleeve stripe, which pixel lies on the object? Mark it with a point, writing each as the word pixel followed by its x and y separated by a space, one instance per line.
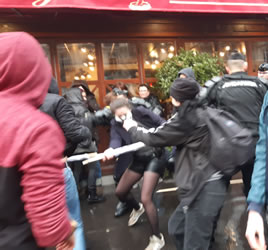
pixel 155 130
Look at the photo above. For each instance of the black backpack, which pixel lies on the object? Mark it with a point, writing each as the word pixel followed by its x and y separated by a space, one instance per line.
pixel 231 145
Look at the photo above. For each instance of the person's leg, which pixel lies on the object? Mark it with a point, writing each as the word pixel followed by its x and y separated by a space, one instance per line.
pixel 122 164
pixel 201 216
pixel 92 170
pixel 73 205
pixel 98 172
pixel 150 180
pixel 121 207
pixel 124 186
pixel 92 188
pixel 176 225
pixel 77 169
pixel 247 171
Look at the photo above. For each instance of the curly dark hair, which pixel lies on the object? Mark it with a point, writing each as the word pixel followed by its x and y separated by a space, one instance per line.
pixel 119 103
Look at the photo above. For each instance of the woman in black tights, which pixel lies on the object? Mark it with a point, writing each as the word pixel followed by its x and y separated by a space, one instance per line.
pixel 147 162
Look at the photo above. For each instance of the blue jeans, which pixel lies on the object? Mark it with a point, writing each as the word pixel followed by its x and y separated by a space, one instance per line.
pixel 73 205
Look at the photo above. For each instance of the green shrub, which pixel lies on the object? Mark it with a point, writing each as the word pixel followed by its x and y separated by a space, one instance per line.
pixel 204 65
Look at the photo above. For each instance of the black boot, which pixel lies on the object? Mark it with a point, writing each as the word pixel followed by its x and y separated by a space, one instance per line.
pixel 93 197
pixel 121 209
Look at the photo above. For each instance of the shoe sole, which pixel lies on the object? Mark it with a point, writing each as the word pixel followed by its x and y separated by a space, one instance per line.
pixel 122 213
pixel 97 201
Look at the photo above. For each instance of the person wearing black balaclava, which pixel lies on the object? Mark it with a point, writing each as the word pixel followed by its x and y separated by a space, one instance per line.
pixel 191 226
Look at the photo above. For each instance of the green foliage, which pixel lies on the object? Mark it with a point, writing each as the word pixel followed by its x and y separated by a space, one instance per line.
pixel 204 65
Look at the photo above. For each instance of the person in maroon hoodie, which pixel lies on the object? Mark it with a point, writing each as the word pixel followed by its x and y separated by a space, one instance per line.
pixel 33 212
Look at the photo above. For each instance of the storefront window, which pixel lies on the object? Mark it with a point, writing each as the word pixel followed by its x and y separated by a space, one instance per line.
pixel 260 54
pixel 130 89
pixel 77 61
pixel 224 48
pixel 46 49
pixel 120 61
pixel 154 54
pixel 207 47
pixel 219 48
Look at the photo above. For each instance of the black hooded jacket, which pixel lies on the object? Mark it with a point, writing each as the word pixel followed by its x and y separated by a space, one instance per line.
pixel 91 99
pixel 187 72
pixel 75 99
pixel 62 112
pixel 186 130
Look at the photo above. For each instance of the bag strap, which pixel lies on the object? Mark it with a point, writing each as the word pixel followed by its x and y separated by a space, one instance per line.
pixel 215 87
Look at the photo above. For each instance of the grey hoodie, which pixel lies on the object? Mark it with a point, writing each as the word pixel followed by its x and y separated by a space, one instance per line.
pixel 188 72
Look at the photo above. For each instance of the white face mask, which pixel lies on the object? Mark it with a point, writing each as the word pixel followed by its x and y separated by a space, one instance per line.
pixel 122 118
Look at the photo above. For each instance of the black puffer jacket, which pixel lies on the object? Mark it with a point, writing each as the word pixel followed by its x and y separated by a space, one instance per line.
pixel 62 112
pixel 74 98
pixel 189 133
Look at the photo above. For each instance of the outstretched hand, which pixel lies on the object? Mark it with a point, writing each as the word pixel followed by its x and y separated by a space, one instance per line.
pixel 255 231
pixel 129 123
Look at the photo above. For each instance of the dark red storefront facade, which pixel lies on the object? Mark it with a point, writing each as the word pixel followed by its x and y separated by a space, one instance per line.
pixel 104 42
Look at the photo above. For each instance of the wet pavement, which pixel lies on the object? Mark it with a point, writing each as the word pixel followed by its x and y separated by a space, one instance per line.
pixel 105 232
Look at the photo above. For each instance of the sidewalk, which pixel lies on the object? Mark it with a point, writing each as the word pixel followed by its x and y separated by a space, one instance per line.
pixel 105 232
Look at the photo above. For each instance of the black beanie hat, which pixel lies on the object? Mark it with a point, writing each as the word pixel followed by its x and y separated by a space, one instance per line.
pixel 184 89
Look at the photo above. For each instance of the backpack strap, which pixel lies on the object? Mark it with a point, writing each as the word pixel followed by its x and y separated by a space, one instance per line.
pixel 215 84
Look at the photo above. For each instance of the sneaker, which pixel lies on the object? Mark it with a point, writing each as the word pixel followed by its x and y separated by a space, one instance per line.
pixel 156 243
pixel 135 215
pixel 121 209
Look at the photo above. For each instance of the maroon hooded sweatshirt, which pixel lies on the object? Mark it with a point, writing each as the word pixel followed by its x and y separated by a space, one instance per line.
pixel 33 211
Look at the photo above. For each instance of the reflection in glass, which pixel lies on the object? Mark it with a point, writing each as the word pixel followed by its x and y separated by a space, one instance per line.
pixel 219 48
pixel 130 88
pixel 119 60
pixel 260 54
pixel 154 54
pixel 77 61
pixel 224 48
pixel 207 47
pixel 46 49
pixel 95 91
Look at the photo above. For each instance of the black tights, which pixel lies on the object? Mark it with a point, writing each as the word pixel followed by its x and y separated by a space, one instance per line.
pixel 150 180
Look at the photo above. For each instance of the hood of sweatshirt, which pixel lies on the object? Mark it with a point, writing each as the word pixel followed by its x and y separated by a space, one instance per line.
pixel 188 72
pixel 74 96
pixel 53 87
pixel 23 76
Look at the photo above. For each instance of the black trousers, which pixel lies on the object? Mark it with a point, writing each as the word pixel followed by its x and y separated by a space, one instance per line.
pixel 193 229
pixel 247 171
pixel 91 170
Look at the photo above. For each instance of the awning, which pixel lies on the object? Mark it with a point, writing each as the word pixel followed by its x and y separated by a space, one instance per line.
pixel 201 6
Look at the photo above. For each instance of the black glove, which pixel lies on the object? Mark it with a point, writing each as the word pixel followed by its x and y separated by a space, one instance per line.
pixel 103 116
